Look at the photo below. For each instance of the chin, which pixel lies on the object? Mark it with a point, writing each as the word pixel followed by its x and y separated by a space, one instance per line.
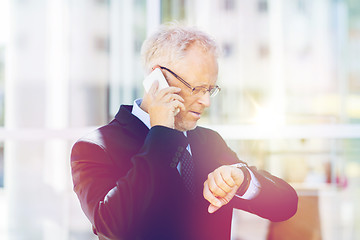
pixel 185 126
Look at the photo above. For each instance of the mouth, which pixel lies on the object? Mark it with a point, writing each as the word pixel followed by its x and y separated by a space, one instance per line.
pixel 195 114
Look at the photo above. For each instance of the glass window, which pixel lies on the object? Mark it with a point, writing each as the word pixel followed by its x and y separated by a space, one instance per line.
pixel 172 10
pixel 2 108
pixel 263 6
pixel 229 5
pixel 289 101
pixel 2 84
pixel 2 172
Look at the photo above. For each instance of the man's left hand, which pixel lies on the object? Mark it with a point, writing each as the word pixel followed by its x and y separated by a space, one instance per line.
pixel 221 186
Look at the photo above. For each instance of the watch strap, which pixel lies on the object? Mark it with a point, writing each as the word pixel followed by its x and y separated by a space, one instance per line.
pixel 247 178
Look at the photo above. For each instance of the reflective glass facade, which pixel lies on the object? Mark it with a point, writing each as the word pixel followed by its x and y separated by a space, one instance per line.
pixel 290 99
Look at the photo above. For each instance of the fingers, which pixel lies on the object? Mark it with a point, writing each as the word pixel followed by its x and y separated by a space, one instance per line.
pixel 171 97
pixel 154 87
pixel 165 95
pixel 237 175
pixel 216 185
pixel 164 104
pixel 209 196
pixel 221 186
pixel 231 175
pixel 215 202
pixel 221 181
pixel 178 105
pixel 227 180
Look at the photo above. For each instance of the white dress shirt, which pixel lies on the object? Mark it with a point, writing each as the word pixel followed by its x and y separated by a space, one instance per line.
pixel 254 186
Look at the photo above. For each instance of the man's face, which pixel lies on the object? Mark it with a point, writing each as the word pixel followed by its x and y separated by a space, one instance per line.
pixel 198 68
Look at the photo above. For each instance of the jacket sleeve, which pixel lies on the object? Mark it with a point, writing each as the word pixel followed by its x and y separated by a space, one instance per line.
pixel 117 205
pixel 276 200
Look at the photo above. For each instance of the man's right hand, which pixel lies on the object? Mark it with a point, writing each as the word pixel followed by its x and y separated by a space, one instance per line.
pixel 162 105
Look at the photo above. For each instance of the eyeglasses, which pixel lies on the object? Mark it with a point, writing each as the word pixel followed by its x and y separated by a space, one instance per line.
pixel 196 90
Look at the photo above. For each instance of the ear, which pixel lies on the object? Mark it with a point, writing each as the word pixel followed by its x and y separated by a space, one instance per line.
pixel 156 66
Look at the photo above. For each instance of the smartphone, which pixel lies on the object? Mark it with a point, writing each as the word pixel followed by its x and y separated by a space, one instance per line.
pixel 156 74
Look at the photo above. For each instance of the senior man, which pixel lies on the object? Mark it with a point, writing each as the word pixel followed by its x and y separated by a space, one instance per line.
pixel 152 173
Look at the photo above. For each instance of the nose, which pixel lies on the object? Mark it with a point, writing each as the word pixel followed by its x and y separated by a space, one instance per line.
pixel 205 99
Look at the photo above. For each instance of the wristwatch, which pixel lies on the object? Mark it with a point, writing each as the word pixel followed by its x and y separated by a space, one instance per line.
pixel 247 178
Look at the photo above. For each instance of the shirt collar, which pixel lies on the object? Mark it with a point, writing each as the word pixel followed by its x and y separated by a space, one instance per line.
pixel 141 114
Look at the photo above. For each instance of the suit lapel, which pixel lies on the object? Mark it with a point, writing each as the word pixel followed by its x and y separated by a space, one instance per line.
pixel 131 124
pixel 205 155
pixel 198 150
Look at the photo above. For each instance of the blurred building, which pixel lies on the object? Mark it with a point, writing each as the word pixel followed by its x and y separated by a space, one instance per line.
pixel 290 99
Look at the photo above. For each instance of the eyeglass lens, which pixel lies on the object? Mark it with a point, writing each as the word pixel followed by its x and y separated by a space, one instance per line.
pixel 203 90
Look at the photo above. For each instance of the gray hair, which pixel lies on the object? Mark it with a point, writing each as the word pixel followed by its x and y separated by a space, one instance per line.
pixel 170 42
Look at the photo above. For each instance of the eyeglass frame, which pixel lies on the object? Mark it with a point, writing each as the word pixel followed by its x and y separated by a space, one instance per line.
pixel 213 91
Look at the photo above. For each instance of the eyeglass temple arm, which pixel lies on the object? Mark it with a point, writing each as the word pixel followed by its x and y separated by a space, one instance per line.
pixel 179 78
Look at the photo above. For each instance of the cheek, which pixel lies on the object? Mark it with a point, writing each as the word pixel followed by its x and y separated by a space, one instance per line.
pixel 188 102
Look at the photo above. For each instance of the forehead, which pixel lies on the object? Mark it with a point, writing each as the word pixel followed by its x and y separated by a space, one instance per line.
pixel 198 67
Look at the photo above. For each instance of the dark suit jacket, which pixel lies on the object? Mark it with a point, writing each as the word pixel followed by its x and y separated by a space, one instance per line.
pixel 126 179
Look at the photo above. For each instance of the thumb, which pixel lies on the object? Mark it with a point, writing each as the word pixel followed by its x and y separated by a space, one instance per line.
pixel 212 208
pixel 225 200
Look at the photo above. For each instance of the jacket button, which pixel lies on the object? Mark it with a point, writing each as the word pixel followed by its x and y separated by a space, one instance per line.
pixel 177 154
pixel 180 148
pixel 173 165
pixel 175 160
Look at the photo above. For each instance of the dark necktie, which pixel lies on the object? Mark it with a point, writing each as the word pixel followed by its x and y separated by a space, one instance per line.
pixel 187 171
